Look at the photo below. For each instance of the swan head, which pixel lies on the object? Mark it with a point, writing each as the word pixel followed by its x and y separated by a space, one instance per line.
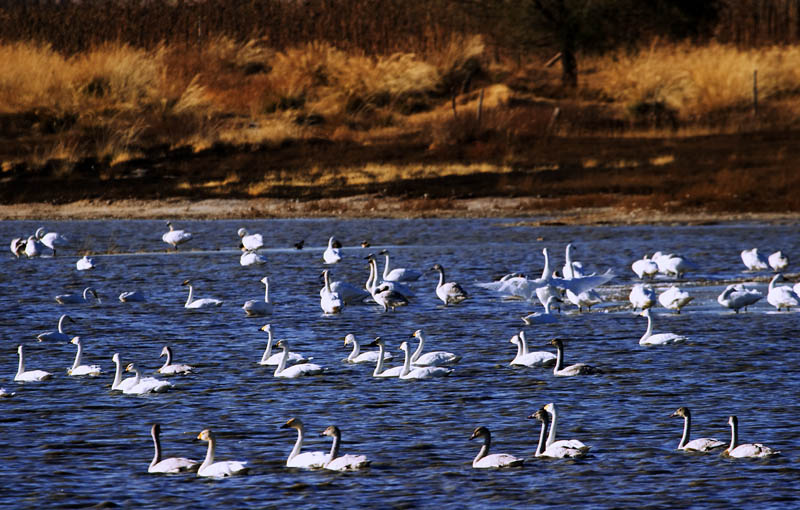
pixel 383 252
pixel 683 412
pixel 130 368
pixel 365 244
pixel 282 344
pixel 165 351
pixel 480 432
pixel 241 232
pixel 115 357
pixel 39 233
pixel 332 431
pixel 265 280
pixel 733 421
pixel 540 415
pixel 404 346
pixel 557 343
pixel 266 327
pixel 377 342
pixel 66 317
pixel 205 435
pixel 349 339
pixel 186 282
pixel 417 333
pixel 19 349
pixel 155 429
pixel 370 257
pixel 514 339
pixel 293 423
pixel 645 312
pixel 75 340
pixel 437 267
pixel 550 408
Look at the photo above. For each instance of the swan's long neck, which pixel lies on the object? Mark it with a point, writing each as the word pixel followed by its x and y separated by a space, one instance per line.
pixel 484 451
pixel 337 438
pixel 649 327
pixel 687 425
pixel 117 375
pixel 368 284
pixel 157 445
pixel 283 361
pixel 137 377
pixel 546 272
pixel 209 454
pixel 266 291
pixel 327 282
pixel 441 277
pixel 61 321
pixel 298 444
pixel 78 354
pixel 542 433
pixel 519 347
pixel 418 351
pixel 379 366
pixel 772 282
pixel 21 368
pixel 523 343
pixel 406 363
pixel 568 273
pixel 734 436
pixel 86 294
pixel 559 358
pixel 268 350
pixel 189 299
pixel 355 352
pixel 386 267
pixel 551 437
pixel 169 358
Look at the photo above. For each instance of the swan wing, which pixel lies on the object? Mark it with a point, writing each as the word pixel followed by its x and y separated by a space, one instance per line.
pixel 301 370
pixel 90 370
pixel 703 444
pixel 174 465
pixel 33 375
pixel 427 373
pixel 497 460
pixel 574 444
pixel 752 450
pixel 436 359
pixel 348 463
pixel 308 460
pixel 223 469
pixel 663 339
pixel 175 369
pixel 535 359
pixel 562 452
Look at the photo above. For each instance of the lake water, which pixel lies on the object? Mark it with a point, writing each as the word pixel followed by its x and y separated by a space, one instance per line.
pixel 73 443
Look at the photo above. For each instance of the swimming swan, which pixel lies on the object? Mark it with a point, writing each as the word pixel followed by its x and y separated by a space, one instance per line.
pixel 551 436
pixel 645 267
pixel 57 336
pixel 530 359
pixel 329 301
pixel 294 371
pixel 132 296
pixel 77 369
pixel 495 460
pixel 175 237
pixel 660 339
pixel 782 296
pixel 778 261
pixel 379 371
pixel 331 255
pixel 305 460
pixel 33 247
pixel 81 298
pixel 356 356
pixel 737 296
pixel 52 240
pixel 85 263
pixel 577 369
pixel 642 296
pixel 420 372
pixel 144 385
pixel 345 462
pixel 703 444
pixel 255 307
pixel 119 384
pixel 172 464
pixel 30 375
pixel 251 242
pixel 554 451
pixel 170 368
pixel 198 303
pixel 450 292
pixel 754 261
pixel 751 450
pixel 674 298
pixel 274 359
pixel 432 358
pixel 545 317
pixel 219 469
pixel 18 246
pixel 251 258
pixel 398 274
pixel 389 295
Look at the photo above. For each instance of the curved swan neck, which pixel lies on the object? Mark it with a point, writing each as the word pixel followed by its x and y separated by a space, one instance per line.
pixel 61 323
pixel 117 374
pixel 772 282
pixel 687 424
pixel 137 377
pixel 515 341
pixel 546 272
pixel 551 437
pixel 542 433
pixel 337 438
pixel 406 362
pixel 418 351
pixel 484 451
pixel 734 435
pixel 298 445
pixel 78 354
pixel 327 282
pixel 379 366
pixel 568 273
pixel 157 445
pixel 268 350
pixel 21 368
pixel 386 269
pixel 209 454
pixel 356 350
pixel 284 359
pixel 86 293
pixel 168 362
pixel 523 342
pixel 559 358
pixel 649 326
pixel 266 291
pixel 189 298
pixel 441 277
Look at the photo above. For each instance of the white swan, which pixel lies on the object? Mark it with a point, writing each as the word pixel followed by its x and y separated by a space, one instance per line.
pixel 674 298
pixel 77 298
pixel 119 384
pixel 576 444
pixel 379 371
pixel 198 303
pixel 356 356
pixel 170 368
pixel 349 294
pixel 335 462
pixel 433 358
pixel 251 242
pixel 18 246
pixel 586 299
pixel 374 280
pixel 530 359
pixel 782 296
pixel 29 375
pixel 545 317
pixel 645 268
pixel 294 371
pixel 660 339
pixel 494 460
pixel 171 464
pixel 398 274
pixel 85 263
pixel 754 261
pixel 175 237
pixel 329 301
pixel 386 294
pixel 449 292
pixel 778 261
pixel 52 240
pixel 251 258
pixel 703 444
pixel 751 450
pixel 143 385
pixel 33 248
pixel 57 336
pixel 77 369
pixel 737 296
pixel 132 296
pixel 274 359
pixel 554 451
pixel 331 255
pixel 577 369
pixel 568 269
pixel 427 372
pixel 305 460
pixel 219 469
pixel 256 307
pixel 675 265
pixel 642 296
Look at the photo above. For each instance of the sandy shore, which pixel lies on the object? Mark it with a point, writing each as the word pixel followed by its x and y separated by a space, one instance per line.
pixel 370 206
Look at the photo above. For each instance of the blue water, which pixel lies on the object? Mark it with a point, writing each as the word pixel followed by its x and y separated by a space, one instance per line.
pixel 72 443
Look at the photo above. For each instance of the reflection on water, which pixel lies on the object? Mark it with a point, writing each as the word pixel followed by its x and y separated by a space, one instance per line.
pixel 71 442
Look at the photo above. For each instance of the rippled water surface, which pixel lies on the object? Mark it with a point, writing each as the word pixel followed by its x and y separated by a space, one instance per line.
pixel 71 442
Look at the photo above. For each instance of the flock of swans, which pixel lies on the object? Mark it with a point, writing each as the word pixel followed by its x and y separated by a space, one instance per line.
pixel 391 290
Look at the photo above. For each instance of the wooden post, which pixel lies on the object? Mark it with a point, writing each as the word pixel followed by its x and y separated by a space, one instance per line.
pixel 480 108
pixel 755 92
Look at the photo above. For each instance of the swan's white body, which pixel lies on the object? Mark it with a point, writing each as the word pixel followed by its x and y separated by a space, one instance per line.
pixel 702 444
pixel 674 265
pixel 18 246
pixel 551 436
pixel 175 237
pixel 585 299
pixel 645 268
pixel 782 296
pixel 256 307
pixel 220 469
pixel 143 385
pixel 450 293
pixel 85 263
pixel 778 261
pixel 305 460
pixel 737 296
pixel 52 240
pixel 433 358
pixel 530 359
pixel 398 274
pixel 545 317
pixel 356 356
pixel 171 464
pixel 557 449
pixel 642 296
pixel 199 303
pixel 132 296
pixel 119 384
pixel 754 261
pixel 274 359
pixel 57 336
pixel 661 338
pixel 294 371
pixel 29 375
pixel 170 368
pixel 426 372
pixel 674 298
pixel 334 461
pixel 331 255
pixel 250 242
pixel 485 460
pixel 251 258
pixel 81 298
pixel 389 295
pixel 379 371
pixel 560 370
pixel 33 247
pixel 329 301
pixel 77 369
pixel 748 450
